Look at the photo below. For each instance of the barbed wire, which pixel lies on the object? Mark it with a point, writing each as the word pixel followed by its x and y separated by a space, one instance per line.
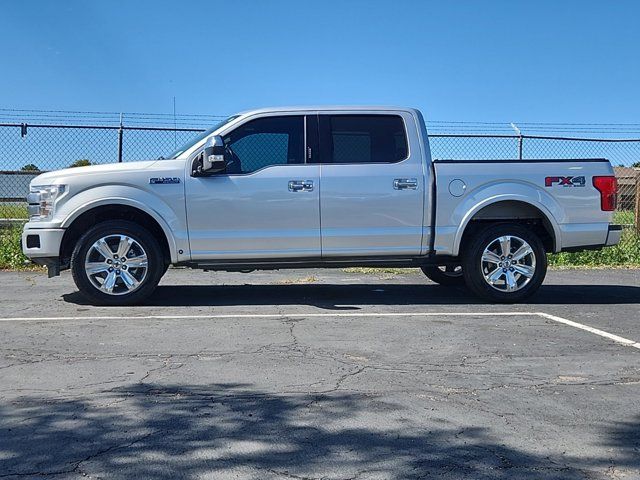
pixel 108 118
pixel 203 120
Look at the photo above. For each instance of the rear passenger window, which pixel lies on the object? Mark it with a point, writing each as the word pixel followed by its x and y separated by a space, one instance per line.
pixel 362 139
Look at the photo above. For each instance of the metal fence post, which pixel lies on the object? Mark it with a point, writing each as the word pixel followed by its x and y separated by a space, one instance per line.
pixel 520 140
pixel 519 134
pixel 637 213
pixel 120 141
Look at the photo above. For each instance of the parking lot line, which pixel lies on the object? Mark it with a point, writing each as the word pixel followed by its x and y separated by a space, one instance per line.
pixel 271 315
pixel 587 328
pixel 547 316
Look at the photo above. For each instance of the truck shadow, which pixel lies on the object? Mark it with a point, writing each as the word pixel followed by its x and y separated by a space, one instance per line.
pixel 350 296
pixel 221 430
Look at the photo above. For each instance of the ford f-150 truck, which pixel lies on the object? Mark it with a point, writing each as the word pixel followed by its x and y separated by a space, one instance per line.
pixel 317 187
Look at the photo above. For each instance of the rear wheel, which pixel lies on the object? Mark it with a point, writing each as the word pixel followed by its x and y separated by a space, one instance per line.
pixel 117 263
pixel 505 263
pixel 448 275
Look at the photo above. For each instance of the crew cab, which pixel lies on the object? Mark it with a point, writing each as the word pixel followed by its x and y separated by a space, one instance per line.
pixel 317 187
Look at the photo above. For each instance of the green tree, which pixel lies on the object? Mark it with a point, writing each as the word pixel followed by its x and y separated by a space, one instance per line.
pixel 636 165
pixel 30 167
pixel 83 162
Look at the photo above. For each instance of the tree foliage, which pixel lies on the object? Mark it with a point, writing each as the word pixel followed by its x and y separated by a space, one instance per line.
pixel 30 167
pixel 83 162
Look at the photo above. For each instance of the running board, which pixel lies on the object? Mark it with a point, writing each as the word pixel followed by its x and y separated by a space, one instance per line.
pixel 278 264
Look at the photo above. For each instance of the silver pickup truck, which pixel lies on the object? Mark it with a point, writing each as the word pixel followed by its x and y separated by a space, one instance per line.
pixel 317 187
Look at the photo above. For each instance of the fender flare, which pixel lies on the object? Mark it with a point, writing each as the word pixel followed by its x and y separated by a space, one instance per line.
pixel 490 200
pixel 115 200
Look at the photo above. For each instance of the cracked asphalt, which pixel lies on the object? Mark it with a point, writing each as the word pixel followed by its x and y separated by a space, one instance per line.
pixel 319 374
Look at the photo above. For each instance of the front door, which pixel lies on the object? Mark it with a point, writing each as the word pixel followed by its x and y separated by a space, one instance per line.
pixel 266 204
pixel 372 199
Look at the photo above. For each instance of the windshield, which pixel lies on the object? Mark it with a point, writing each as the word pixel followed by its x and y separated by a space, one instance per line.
pixel 197 138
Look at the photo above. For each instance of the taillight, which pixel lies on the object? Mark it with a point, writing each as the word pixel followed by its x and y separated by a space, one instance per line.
pixel 608 188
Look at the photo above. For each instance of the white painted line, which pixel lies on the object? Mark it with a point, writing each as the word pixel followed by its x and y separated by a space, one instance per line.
pixel 272 315
pixel 587 328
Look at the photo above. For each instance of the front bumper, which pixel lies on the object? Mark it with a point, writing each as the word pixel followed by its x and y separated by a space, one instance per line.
pixel 613 235
pixel 42 242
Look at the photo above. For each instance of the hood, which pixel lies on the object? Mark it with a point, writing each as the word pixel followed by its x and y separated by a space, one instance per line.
pixel 58 176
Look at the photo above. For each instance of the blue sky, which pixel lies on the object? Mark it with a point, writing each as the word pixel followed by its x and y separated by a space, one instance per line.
pixel 553 61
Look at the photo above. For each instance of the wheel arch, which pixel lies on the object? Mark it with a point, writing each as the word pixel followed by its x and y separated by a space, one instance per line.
pixel 507 209
pixel 114 209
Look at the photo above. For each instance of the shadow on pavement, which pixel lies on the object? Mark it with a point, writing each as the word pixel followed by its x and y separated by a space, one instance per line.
pixel 349 296
pixel 187 432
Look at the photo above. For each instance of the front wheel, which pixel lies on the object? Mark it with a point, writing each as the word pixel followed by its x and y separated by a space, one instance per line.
pixel 117 263
pixel 505 263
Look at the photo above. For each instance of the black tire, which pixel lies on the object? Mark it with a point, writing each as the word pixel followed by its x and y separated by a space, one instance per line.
pixel 534 265
pixel 447 275
pixel 149 278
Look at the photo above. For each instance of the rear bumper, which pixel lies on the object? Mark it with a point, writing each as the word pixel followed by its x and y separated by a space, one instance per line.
pixel 613 235
pixel 614 232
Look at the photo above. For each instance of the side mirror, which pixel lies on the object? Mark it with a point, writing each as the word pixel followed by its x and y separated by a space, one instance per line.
pixel 213 155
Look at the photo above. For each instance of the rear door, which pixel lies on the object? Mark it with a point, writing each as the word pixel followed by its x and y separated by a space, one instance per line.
pixel 372 195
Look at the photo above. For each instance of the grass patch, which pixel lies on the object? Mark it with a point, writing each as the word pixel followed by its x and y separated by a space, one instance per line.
pixel 377 271
pixel 11 256
pixel 384 273
pixel 624 217
pixel 13 210
pixel 298 281
pixel 625 254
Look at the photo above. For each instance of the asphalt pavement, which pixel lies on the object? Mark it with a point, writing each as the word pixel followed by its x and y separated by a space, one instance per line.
pixel 321 374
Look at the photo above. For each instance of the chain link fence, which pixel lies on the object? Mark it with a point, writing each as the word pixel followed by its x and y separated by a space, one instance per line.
pixel 623 154
pixel 27 150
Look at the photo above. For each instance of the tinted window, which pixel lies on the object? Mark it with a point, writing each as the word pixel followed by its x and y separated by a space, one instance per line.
pixel 363 139
pixel 264 142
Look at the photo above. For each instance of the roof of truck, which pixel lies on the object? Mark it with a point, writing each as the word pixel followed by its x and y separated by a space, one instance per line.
pixel 304 108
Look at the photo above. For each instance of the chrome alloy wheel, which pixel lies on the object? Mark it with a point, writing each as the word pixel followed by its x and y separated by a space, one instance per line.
pixel 116 264
pixel 508 263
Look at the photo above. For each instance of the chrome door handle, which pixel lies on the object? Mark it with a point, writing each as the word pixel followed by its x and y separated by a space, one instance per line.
pixel 405 184
pixel 300 185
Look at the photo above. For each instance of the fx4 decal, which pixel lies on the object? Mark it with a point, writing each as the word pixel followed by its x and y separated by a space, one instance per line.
pixel 565 181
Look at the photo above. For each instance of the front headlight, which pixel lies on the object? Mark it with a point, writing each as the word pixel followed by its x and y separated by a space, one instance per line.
pixel 42 201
